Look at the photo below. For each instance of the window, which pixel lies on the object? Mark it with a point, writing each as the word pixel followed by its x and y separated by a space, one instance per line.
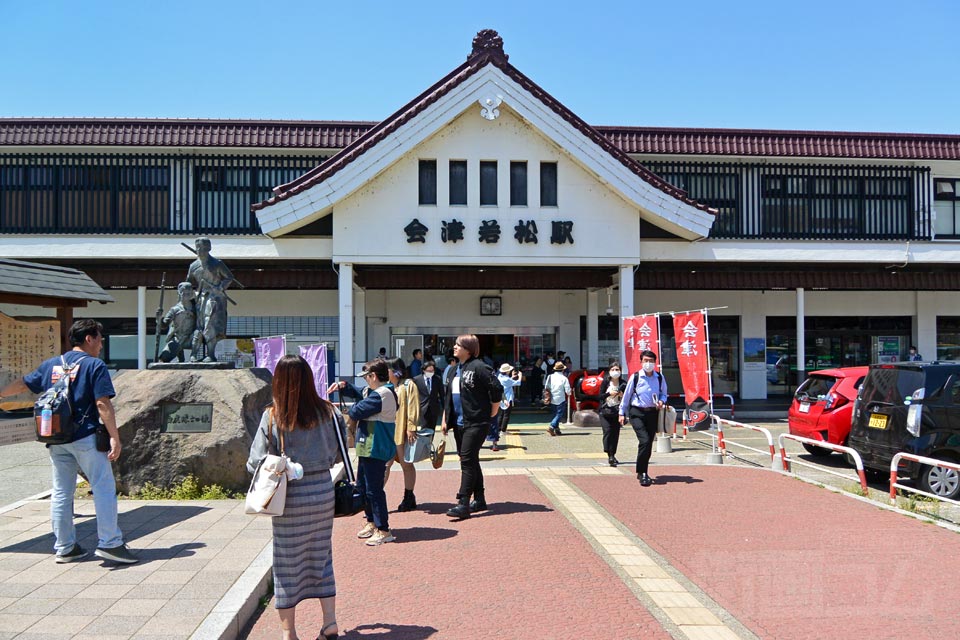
pixel 518 184
pixel 428 182
pixel 488 183
pixel 548 184
pixel 946 205
pixel 458 182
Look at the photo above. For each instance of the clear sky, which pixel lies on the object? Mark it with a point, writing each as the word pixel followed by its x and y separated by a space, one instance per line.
pixel 846 65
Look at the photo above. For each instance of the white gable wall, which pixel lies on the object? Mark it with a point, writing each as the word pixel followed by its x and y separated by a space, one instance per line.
pixel 368 225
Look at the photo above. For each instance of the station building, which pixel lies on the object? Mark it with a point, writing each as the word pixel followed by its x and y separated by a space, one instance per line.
pixel 485 205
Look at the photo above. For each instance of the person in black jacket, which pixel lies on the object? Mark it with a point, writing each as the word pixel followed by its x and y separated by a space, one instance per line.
pixel 431 391
pixel 472 398
pixel 611 393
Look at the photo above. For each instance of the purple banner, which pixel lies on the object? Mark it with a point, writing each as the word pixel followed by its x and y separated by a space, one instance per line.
pixel 268 351
pixel 316 357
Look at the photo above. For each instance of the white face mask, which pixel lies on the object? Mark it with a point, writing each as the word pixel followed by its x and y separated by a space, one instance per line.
pixel 648 367
pixel 614 373
pixel 550 361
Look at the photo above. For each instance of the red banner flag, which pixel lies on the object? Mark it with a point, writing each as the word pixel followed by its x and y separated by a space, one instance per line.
pixel 689 330
pixel 640 333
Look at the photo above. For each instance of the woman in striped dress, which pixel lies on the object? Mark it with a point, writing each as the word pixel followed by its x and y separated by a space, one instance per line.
pixel 302 550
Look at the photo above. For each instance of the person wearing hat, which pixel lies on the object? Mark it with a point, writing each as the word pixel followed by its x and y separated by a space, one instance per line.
pixel 559 388
pixel 508 378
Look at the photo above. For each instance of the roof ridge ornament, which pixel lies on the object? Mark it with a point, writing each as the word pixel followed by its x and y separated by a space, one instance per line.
pixel 488 43
pixel 489 107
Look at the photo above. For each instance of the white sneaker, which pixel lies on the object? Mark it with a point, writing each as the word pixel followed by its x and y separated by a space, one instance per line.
pixel 379 537
pixel 367 530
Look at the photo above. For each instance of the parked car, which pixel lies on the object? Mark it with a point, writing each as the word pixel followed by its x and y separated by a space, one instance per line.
pixel 912 407
pixel 822 406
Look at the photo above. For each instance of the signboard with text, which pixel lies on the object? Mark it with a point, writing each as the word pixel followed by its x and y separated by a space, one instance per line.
pixel 193 417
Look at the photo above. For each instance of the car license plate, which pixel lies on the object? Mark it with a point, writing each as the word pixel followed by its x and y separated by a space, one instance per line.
pixel 804 407
pixel 877 421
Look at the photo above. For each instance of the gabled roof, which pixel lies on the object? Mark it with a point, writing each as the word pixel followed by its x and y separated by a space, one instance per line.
pixel 329 134
pixel 33 280
pixel 487 50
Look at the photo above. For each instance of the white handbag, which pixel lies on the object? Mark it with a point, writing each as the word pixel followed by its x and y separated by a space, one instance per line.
pixel 419 449
pixel 267 494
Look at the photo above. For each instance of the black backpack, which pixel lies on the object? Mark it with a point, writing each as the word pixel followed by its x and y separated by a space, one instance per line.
pixel 58 402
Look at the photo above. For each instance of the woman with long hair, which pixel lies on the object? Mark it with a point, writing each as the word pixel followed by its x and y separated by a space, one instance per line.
pixel 408 421
pixel 302 549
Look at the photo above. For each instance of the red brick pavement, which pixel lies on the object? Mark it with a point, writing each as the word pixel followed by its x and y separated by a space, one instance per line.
pixel 791 560
pixel 518 571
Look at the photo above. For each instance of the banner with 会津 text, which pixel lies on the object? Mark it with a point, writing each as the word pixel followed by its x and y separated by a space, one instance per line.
pixel 640 333
pixel 690 335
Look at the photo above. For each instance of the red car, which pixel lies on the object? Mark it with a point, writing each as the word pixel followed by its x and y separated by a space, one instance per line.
pixel 822 407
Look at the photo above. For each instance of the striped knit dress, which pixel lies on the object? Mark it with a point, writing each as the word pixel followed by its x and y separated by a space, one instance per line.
pixel 302 551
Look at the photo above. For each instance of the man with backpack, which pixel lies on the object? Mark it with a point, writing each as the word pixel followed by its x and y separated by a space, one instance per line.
pixel 89 394
pixel 646 392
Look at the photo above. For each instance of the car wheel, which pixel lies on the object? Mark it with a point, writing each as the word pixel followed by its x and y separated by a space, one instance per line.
pixel 941 482
pixel 817 452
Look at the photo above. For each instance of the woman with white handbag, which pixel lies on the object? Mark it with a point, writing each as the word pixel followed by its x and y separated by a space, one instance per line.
pixel 300 426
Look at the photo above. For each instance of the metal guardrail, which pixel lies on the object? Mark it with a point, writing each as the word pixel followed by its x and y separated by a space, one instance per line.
pixel 728 396
pixel 825 445
pixel 933 462
pixel 723 444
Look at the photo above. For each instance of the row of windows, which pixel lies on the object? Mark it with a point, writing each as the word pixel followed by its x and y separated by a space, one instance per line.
pixel 946 204
pixel 488 183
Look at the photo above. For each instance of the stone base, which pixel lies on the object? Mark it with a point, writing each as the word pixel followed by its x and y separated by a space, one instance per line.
pixel 586 419
pixel 165 459
pixel 185 366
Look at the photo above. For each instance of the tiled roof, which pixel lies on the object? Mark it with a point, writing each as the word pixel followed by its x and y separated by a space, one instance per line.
pixel 47 281
pixel 321 134
pixel 806 144
pixel 279 134
pixel 487 50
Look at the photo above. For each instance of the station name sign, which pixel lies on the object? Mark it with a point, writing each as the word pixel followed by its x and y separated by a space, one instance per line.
pixel 489 232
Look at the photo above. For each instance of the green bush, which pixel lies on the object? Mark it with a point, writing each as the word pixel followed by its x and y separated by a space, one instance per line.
pixel 188 489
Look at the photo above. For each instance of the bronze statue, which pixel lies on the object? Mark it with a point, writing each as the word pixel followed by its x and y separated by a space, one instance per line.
pixel 210 278
pixel 182 322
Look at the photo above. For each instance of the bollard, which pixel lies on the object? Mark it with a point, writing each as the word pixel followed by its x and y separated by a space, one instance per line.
pixel 664 443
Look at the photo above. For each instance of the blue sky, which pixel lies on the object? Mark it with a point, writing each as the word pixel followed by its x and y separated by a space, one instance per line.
pixel 813 65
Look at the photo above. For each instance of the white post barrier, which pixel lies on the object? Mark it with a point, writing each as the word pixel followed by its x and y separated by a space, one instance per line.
pixel 766 432
pixel 933 462
pixel 825 445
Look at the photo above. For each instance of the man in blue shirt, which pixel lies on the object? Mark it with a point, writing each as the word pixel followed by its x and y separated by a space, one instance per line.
pixel 90 392
pixel 416 365
pixel 646 392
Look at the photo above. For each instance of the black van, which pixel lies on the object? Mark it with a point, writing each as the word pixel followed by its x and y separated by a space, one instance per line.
pixel 912 407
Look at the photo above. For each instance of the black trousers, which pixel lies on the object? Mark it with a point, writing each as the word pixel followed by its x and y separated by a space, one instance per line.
pixel 469 440
pixel 503 417
pixel 644 423
pixel 610 423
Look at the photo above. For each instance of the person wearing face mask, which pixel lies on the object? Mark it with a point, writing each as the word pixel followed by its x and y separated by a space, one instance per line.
pixel 611 392
pixel 645 393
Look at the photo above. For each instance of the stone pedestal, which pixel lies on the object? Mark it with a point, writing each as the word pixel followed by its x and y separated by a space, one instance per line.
pixel 586 419
pixel 219 457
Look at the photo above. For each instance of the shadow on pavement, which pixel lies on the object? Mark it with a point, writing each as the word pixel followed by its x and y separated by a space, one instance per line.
pixel 392 631
pixel 135 524
pixel 495 508
pixel 683 479
pixel 422 534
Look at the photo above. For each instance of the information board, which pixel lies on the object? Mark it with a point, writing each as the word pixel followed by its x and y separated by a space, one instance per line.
pixel 24 344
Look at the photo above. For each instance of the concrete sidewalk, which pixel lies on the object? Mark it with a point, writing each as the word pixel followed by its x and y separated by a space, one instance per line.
pixel 569 548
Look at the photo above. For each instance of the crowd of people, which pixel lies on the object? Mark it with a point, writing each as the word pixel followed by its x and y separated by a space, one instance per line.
pixel 398 405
